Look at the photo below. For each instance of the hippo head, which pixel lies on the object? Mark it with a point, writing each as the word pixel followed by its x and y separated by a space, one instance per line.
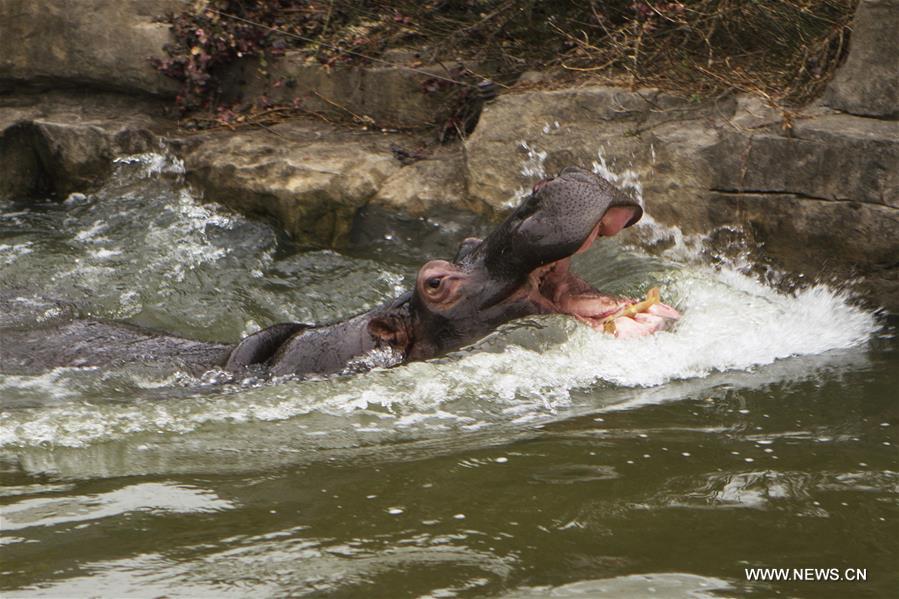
pixel 521 268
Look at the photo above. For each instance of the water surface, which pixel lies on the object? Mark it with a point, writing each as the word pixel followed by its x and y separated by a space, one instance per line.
pixel 546 460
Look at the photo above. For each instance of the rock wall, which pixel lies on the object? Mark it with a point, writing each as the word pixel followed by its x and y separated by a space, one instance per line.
pixel 312 182
pixel 56 143
pixel 376 95
pixel 102 44
pixel 818 193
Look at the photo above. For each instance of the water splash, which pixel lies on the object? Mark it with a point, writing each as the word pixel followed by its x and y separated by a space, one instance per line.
pixel 532 167
pixel 150 164
pixel 136 246
pixel 628 179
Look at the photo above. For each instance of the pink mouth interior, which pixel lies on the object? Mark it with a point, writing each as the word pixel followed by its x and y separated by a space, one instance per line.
pixel 560 290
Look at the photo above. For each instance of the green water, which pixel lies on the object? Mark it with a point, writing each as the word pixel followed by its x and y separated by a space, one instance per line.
pixel 546 461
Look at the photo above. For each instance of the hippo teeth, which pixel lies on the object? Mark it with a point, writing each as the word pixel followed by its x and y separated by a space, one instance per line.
pixel 560 291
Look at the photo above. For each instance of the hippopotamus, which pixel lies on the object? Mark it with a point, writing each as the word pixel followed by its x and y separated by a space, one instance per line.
pixel 520 269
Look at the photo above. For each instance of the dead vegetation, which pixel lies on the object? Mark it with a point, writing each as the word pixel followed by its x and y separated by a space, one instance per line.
pixel 782 50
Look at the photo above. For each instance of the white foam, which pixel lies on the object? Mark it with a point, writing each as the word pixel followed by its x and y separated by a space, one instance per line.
pixel 153 163
pixel 9 253
pixel 182 245
pixel 90 234
pixel 53 511
pixel 731 322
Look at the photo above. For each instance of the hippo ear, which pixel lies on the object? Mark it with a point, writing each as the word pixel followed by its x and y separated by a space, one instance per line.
pixel 466 247
pixel 389 329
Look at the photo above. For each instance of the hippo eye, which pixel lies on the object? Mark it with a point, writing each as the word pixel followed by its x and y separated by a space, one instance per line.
pixel 438 283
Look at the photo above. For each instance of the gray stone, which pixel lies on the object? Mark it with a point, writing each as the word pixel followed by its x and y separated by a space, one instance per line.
pixel 51 146
pixel 523 137
pixel 752 112
pixel 99 43
pixel 382 96
pixel 311 182
pixel 868 83
pixel 428 186
pixel 831 157
pixel 75 156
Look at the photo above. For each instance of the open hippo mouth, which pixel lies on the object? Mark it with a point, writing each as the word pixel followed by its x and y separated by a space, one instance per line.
pixel 558 290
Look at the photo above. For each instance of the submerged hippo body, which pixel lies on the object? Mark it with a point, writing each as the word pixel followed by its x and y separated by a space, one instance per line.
pixel 520 269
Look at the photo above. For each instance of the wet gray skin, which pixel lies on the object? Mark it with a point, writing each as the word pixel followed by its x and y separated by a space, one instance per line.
pixel 90 343
pixel 520 269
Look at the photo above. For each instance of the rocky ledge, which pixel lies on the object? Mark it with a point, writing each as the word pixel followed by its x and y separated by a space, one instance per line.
pixel 817 193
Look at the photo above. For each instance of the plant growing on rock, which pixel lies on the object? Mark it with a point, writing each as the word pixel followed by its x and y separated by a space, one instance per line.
pixel 205 41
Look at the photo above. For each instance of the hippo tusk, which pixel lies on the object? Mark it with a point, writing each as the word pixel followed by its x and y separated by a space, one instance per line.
pixel 653 297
